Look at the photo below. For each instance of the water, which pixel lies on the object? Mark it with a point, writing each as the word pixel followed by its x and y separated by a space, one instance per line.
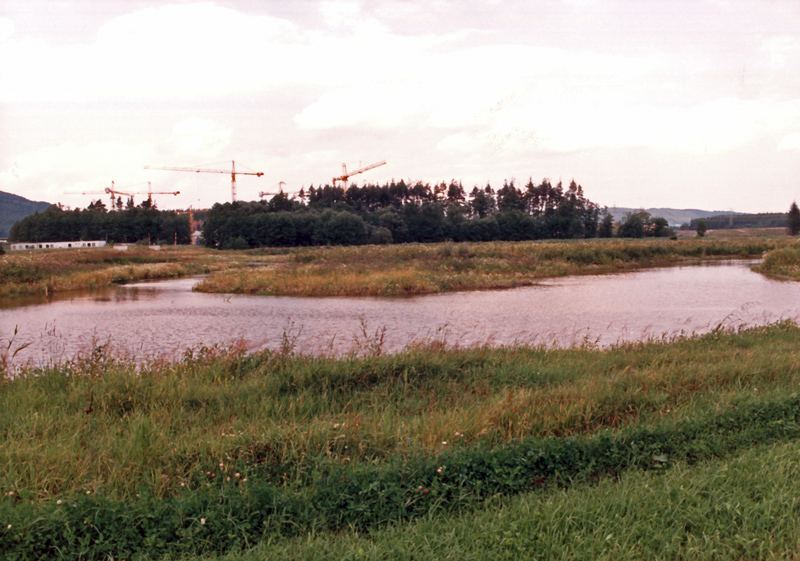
pixel 165 318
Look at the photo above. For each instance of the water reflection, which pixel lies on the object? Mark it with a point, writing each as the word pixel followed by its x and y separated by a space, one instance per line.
pixel 165 318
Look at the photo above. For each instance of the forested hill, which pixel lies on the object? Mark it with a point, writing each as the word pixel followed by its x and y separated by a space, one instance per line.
pixel 14 208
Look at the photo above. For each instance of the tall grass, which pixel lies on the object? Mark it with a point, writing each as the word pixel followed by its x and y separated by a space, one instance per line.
pixel 268 445
pixel 61 270
pixel 418 269
pixel 103 423
pixel 782 263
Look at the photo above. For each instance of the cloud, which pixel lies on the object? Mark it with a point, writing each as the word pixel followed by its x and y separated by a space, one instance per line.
pixel 72 168
pixel 187 50
pixel 6 29
pixel 790 142
pixel 556 126
pixel 198 137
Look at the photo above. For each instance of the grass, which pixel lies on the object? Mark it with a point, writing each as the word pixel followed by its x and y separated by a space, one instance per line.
pixel 360 271
pixel 783 263
pixel 420 269
pixel 743 507
pixel 63 270
pixel 314 444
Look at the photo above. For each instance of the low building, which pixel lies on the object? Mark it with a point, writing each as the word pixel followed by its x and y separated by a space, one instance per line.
pixel 55 245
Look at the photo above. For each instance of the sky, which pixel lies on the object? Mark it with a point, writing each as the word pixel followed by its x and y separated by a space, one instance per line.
pixel 644 103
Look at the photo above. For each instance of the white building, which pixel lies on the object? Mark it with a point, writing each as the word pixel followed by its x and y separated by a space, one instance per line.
pixel 55 245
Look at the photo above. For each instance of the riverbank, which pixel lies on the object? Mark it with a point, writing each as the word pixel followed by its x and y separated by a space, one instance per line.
pixel 783 263
pixel 360 270
pixel 25 273
pixel 449 267
pixel 309 456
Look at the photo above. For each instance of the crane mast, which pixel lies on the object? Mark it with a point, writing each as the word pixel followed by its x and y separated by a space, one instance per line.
pixel 233 173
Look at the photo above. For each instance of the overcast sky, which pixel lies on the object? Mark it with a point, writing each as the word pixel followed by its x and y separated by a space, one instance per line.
pixel 645 103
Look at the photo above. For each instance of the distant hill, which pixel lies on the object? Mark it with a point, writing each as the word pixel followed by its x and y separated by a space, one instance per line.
pixel 675 216
pixel 14 208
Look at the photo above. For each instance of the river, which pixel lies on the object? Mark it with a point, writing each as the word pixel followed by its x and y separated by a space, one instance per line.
pixel 163 319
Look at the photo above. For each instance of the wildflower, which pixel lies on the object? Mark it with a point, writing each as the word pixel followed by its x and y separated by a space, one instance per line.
pixel 236 474
pixel 425 491
pixel 182 484
pixel 227 479
pixel 444 442
pixel 221 466
pixel 9 526
pixel 11 493
pixel 420 487
pixel 336 425
pixel 439 470
pixel 203 521
pixel 243 480
pixel 89 493
pixel 58 502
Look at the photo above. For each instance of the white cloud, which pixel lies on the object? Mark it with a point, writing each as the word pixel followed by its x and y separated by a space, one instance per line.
pixel 790 142
pixel 58 171
pixel 565 127
pixel 198 137
pixel 6 29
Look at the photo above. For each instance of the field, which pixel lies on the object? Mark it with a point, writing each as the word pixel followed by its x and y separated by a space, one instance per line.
pixel 668 449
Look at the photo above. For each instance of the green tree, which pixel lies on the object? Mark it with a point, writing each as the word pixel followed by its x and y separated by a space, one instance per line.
pixel 701 228
pixel 606 229
pixel 793 220
pixel 633 227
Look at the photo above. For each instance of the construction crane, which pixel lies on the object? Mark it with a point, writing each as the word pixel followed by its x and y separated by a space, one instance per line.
pixel 150 193
pixel 266 193
pixel 114 192
pixel 345 175
pixel 233 173
pixel 108 191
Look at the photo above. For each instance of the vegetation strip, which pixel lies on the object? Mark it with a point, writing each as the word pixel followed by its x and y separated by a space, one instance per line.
pixel 741 507
pixel 783 263
pixel 447 267
pixel 227 515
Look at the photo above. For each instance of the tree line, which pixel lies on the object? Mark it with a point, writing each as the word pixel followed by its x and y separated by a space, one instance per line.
pixel 398 212
pixel 129 225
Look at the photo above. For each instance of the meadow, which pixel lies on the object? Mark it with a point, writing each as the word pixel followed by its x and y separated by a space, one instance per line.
pixel 682 448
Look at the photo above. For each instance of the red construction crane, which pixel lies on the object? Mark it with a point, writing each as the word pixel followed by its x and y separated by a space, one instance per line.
pixel 345 176
pixel 233 173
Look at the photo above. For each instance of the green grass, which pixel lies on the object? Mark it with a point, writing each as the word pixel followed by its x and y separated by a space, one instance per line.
pixel 742 507
pixel 295 451
pixel 783 263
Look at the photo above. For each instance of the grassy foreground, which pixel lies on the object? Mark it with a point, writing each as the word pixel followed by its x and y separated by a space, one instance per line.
pixel 557 453
pixel 420 269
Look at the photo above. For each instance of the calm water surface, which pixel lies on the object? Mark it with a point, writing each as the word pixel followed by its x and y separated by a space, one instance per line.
pixel 165 318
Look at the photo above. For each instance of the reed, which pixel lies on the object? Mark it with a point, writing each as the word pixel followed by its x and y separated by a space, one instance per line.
pixel 61 270
pixel 420 269
pixel 783 263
